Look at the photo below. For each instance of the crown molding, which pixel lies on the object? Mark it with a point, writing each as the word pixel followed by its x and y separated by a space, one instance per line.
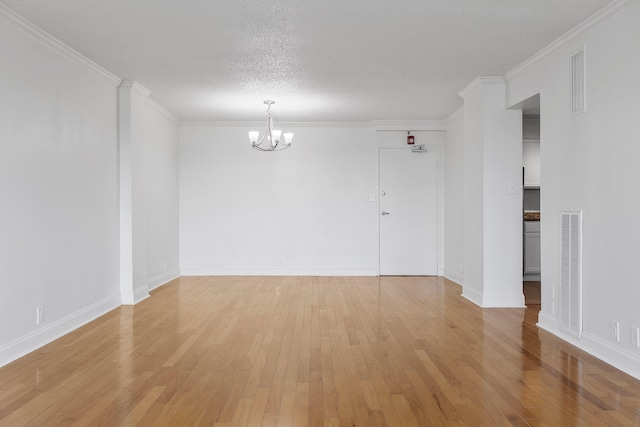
pixel 135 87
pixel 138 89
pixel 451 117
pixel 163 110
pixel 408 125
pixel 572 35
pixel 54 44
pixel 214 123
pixel 481 80
pixel 377 125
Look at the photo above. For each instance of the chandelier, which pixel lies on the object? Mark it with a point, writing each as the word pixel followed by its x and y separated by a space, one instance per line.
pixel 272 137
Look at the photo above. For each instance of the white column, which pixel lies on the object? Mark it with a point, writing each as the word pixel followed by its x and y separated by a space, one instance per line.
pixel 492 196
pixel 133 263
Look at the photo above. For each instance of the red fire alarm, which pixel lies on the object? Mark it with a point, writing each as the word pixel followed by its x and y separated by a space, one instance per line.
pixel 410 138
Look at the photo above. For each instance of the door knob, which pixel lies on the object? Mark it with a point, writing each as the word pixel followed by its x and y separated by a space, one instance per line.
pixel 385 213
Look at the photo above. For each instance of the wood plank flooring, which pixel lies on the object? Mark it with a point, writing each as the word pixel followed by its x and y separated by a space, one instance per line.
pixel 314 351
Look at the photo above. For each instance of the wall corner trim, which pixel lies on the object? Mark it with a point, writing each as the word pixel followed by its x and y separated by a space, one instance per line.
pixel 481 80
pixel 595 346
pixel 162 279
pixel 239 124
pixel 453 116
pixel 163 111
pixel 455 278
pixel 51 332
pixel 303 272
pixel 408 125
pixel 135 87
pixel 493 301
pixel 503 301
pixel 572 35
pixel 132 298
pixel 54 44
pixel 472 295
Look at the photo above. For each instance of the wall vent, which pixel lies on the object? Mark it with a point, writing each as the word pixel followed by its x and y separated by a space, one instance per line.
pixel 570 310
pixel 579 88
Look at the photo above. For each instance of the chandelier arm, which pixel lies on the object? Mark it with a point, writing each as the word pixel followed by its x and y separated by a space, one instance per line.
pixel 255 147
pixel 264 136
pixel 276 148
pixel 269 130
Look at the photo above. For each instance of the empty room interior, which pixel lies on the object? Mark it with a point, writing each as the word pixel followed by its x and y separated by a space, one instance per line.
pixel 366 213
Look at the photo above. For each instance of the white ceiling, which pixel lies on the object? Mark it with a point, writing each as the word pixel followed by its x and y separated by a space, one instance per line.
pixel 322 61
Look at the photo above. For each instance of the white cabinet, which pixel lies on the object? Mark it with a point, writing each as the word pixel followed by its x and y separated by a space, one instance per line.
pixel 532 247
pixel 531 150
pixel 531 163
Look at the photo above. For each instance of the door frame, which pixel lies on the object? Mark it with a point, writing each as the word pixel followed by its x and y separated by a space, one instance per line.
pixel 439 201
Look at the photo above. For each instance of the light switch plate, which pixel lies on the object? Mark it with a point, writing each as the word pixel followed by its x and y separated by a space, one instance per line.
pixel 635 336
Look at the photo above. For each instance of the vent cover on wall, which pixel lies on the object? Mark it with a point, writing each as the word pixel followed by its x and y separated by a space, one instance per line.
pixel 579 88
pixel 570 309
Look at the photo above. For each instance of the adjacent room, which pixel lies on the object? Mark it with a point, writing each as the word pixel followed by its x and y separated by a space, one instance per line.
pixel 242 213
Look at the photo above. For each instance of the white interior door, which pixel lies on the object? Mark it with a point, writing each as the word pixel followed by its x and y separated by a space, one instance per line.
pixel 408 212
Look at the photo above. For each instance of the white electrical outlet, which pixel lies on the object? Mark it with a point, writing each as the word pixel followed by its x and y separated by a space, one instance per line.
pixel 278 262
pixel 635 336
pixel 615 330
pixel 39 315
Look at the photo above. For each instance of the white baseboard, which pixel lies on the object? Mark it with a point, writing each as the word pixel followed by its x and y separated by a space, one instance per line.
pixel 43 336
pixel 162 279
pixel 628 363
pixel 278 272
pixel 547 321
pixel 457 278
pixel 504 301
pixel 494 301
pixel 132 298
pixel 472 295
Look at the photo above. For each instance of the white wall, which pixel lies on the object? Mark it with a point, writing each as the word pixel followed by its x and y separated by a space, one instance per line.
pixel 589 162
pixel 493 196
pixel 473 187
pixel 59 186
pixel 502 156
pixel 301 211
pixel 161 196
pixel 148 194
pixel 59 193
pixel 454 199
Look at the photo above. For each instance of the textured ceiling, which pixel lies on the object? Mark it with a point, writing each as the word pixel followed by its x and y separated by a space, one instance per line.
pixel 322 61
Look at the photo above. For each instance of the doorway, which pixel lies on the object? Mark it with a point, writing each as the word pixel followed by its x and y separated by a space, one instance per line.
pixel 531 256
pixel 408 212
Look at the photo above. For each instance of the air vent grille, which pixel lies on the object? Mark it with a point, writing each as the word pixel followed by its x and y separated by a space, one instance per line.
pixel 579 88
pixel 571 274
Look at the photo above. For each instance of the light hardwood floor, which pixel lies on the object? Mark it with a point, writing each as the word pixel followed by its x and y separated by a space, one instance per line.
pixel 314 351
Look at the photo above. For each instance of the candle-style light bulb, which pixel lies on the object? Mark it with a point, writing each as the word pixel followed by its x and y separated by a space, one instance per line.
pixel 276 136
pixel 253 137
